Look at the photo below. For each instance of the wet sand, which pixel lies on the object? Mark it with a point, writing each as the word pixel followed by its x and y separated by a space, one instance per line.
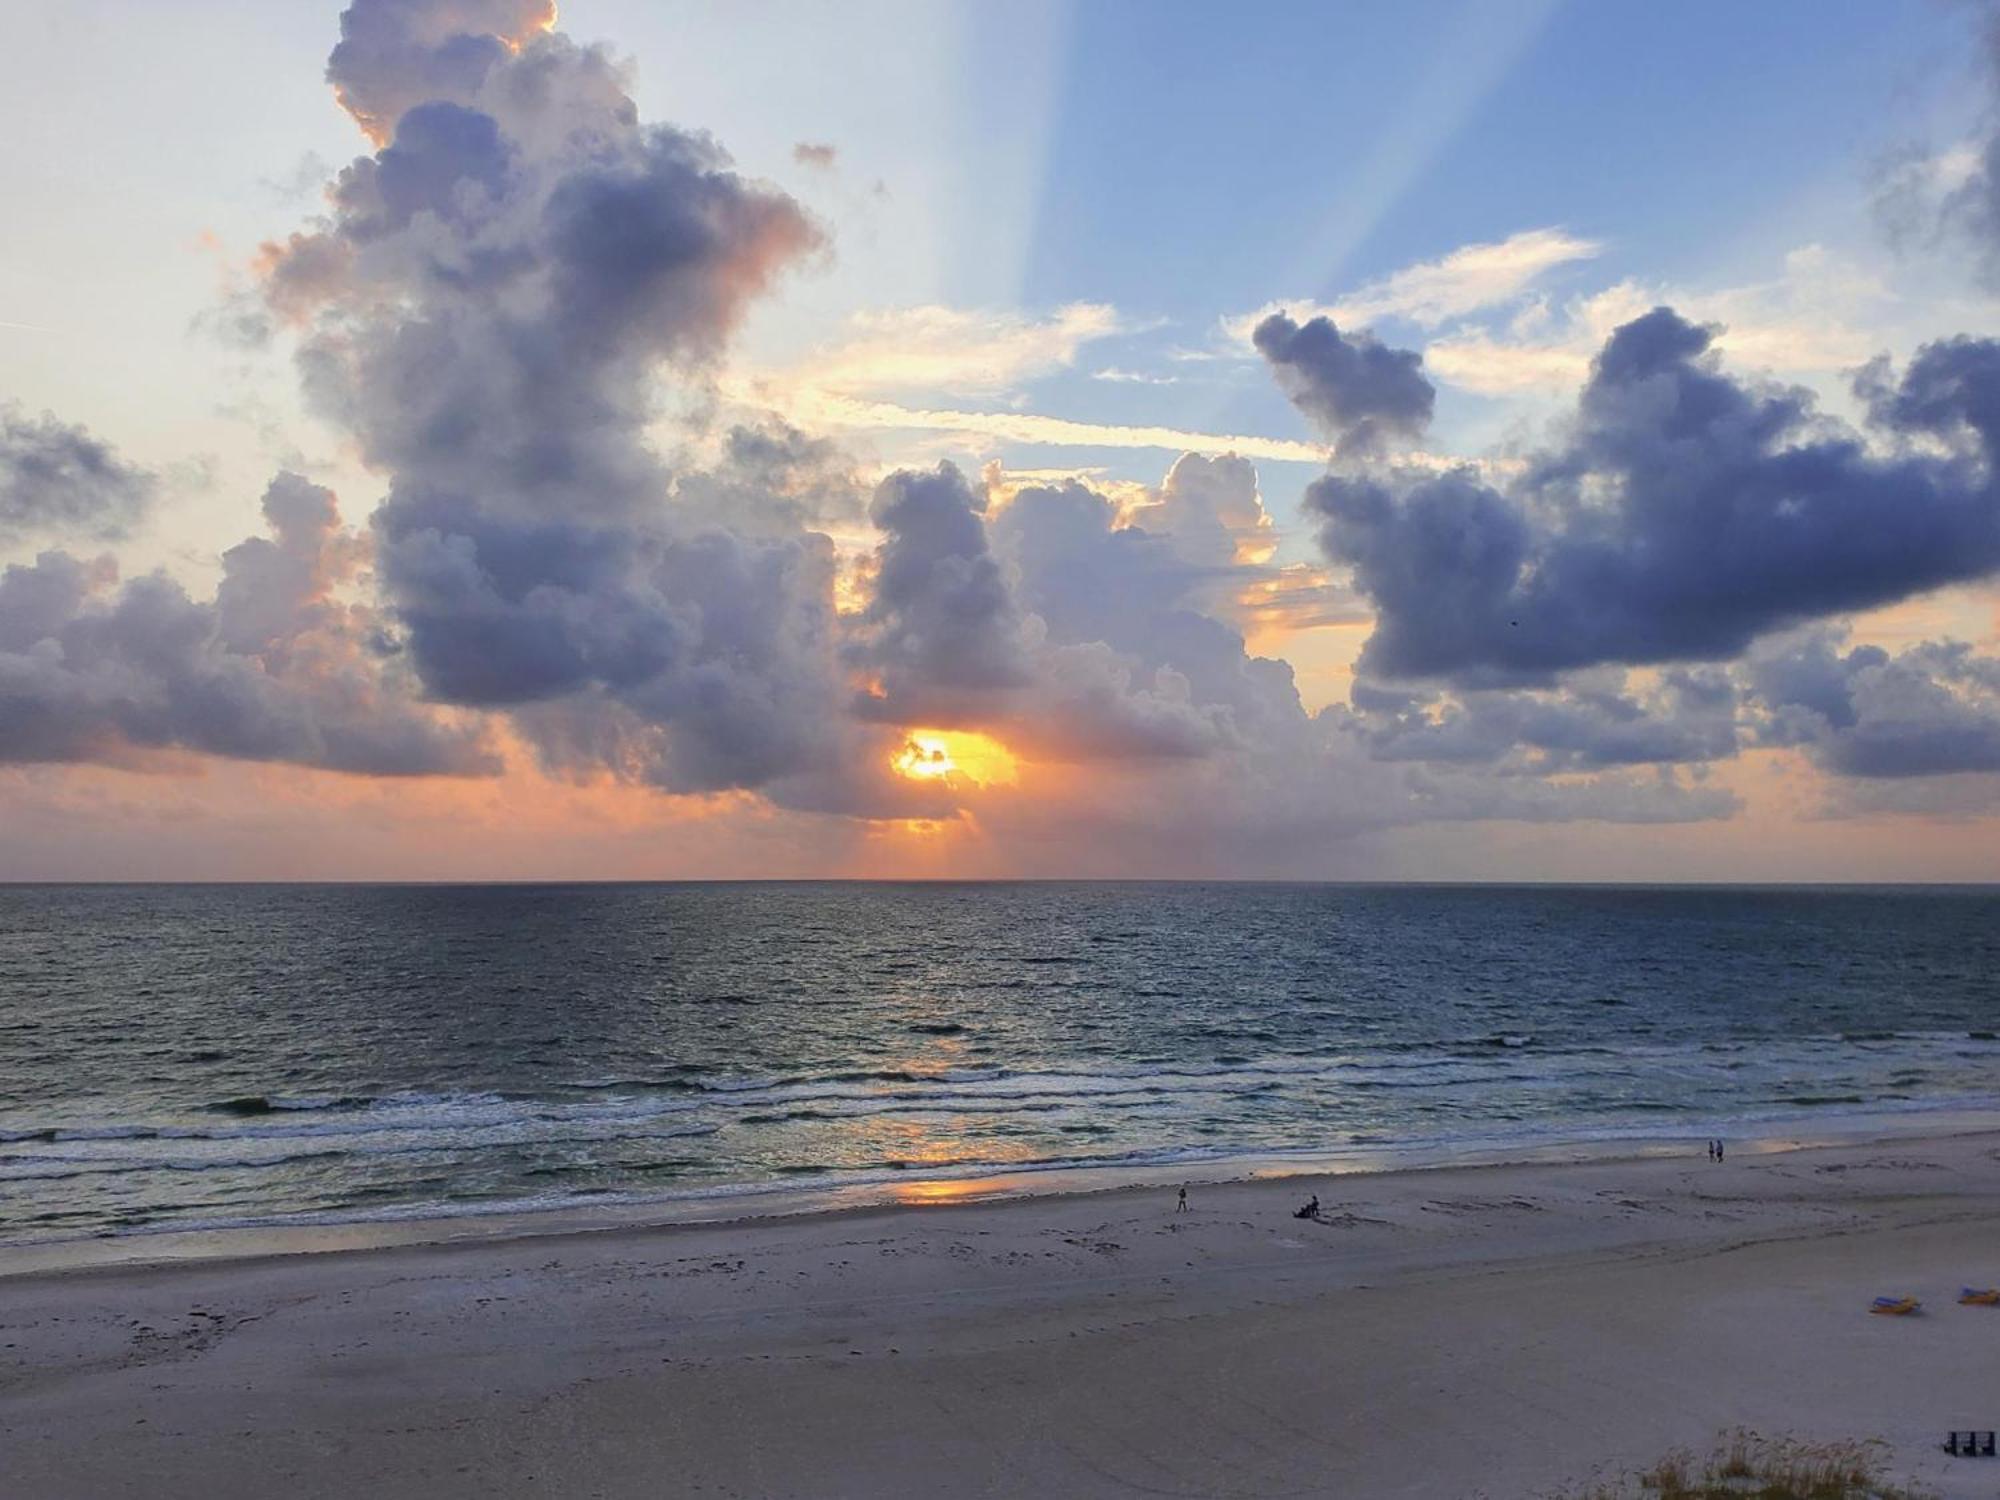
pixel 1494 1331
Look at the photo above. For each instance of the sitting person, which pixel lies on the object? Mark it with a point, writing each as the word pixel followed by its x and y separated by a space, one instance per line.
pixel 1311 1210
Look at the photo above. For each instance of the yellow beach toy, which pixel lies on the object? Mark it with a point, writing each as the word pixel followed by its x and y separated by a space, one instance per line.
pixel 1974 1296
pixel 1895 1307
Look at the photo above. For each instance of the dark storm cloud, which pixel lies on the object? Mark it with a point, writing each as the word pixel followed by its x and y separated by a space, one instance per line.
pixel 1688 514
pixel 56 479
pixel 1357 390
pixel 1931 710
pixel 273 669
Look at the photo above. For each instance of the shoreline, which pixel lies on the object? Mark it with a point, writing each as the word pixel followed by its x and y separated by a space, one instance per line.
pixel 1498 1330
pixel 751 1203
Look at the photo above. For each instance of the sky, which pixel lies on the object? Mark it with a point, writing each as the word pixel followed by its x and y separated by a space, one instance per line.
pixel 1466 440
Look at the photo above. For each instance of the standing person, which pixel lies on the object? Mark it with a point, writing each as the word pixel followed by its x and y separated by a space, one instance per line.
pixel 1718 1150
pixel 1183 1203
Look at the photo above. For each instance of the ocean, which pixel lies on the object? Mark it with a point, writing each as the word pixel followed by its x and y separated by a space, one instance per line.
pixel 183 1057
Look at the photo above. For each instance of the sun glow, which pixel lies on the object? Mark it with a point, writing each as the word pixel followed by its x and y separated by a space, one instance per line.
pixel 939 754
pixel 934 1192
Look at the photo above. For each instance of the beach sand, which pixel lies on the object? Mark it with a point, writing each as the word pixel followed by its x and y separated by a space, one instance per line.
pixel 1495 1331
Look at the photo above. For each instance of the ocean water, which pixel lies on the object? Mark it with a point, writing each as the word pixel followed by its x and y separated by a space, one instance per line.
pixel 179 1057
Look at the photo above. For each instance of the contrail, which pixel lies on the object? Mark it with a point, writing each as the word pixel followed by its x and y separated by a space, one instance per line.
pixel 29 327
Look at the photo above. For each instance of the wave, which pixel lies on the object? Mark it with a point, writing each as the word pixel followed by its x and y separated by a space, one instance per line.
pixel 55 1166
pixel 1360 1151
pixel 1256 1102
pixel 1499 1062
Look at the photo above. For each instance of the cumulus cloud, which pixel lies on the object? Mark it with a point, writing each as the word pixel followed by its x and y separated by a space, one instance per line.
pixel 274 668
pixel 396 54
pixel 487 308
pixel 815 154
pixel 1357 390
pixel 1595 720
pixel 771 478
pixel 1126 611
pixel 1686 515
pixel 1930 710
pixel 57 479
pixel 1210 509
pixel 973 624
pixel 942 624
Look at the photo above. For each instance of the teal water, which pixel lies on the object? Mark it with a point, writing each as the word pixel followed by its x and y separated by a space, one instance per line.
pixel 178 1057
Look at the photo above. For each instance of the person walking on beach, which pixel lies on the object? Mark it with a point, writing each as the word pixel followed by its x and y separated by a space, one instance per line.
pixel 1183 1203
pixel 1718 1150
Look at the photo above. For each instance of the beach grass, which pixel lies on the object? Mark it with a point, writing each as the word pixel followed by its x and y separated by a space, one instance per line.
pixel 1744 1465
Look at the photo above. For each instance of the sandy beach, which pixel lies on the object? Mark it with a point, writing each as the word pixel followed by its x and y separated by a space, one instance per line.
pixel 1496 1331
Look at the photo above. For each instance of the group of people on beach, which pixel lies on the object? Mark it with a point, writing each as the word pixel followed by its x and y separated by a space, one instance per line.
pixel 1715 1150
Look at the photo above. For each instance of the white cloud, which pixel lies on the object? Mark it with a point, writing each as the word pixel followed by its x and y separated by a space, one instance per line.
pixel 822 410
pixel 1914 188
pixel 830 409
pixel 964 351
pixel 1952 168
pixel 1432 292
pixel 1491 366
pixel 1133 377
pixel 1821 315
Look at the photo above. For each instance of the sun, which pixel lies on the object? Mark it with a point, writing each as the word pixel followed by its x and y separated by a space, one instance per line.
pixel 924 758
pixel 937 754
